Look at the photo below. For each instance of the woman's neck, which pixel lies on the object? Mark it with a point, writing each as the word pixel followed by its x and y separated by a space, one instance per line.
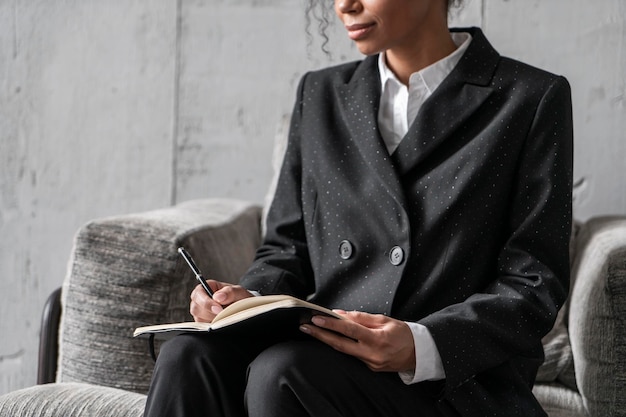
pixel 424 52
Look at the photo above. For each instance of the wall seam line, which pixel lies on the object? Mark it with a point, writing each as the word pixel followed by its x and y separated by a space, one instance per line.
pixel 483 15
pixel 176 104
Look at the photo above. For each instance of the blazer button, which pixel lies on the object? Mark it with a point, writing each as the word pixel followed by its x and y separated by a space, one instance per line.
pixel 396 256
pixel 345 249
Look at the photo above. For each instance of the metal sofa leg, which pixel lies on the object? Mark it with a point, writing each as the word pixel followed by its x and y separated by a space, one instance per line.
pixel 49 339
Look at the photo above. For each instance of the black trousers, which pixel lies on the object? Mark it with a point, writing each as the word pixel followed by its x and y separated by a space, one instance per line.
pixel 229 376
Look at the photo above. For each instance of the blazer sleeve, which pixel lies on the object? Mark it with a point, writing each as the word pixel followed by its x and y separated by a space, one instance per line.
pixel 512 314
pixel 282 264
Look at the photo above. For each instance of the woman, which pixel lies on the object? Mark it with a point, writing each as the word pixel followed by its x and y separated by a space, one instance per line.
pixel 426 192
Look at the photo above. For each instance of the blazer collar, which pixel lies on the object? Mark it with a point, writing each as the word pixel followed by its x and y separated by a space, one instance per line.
pixel 457 98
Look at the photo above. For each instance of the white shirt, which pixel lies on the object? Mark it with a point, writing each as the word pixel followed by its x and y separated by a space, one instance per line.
pixel 399 106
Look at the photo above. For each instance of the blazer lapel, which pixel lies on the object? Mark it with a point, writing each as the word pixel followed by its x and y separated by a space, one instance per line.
pixel 360 99
pixel 453 102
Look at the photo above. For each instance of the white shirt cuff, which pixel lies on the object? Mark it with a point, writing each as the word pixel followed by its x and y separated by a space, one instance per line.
pixel 428 366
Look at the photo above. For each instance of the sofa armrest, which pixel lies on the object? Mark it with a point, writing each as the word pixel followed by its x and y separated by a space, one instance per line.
pixel 597 314
pixel 125 272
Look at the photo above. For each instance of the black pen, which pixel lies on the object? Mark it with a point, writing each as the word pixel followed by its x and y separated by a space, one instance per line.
pixel 187 257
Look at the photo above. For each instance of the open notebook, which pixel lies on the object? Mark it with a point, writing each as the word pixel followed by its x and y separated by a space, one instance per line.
pixel 268 313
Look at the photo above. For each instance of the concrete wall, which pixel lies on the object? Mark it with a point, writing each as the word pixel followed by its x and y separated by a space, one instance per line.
pixel 128 105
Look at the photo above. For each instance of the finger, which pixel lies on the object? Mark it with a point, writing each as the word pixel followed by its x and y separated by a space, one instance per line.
pixel 200 296
pixel 372 321
pixel 348 328
pixel 200 314
pixel 333 339
pixel 228 294
pixel 204 302
pixel 219 292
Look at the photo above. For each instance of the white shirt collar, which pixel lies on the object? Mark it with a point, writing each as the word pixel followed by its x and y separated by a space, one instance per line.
pixel 434 74
pixel 399 105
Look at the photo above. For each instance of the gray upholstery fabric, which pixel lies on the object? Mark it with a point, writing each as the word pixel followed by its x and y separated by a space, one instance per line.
pixel 596 314
pixel 125 272
pixel 71 400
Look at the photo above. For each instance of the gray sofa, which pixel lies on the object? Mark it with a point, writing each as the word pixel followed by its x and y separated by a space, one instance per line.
pixel 124 272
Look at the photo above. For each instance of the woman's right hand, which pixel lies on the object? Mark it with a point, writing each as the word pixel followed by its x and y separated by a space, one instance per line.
pixel 204 308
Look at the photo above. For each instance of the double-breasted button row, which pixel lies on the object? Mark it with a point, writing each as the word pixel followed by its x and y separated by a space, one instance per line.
pixel 346 250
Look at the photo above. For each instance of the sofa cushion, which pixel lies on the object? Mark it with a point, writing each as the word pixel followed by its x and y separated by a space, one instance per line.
pixel 71 400
pixel 560 401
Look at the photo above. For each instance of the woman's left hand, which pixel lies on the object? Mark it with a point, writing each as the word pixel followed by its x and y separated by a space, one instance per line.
pixel 383 343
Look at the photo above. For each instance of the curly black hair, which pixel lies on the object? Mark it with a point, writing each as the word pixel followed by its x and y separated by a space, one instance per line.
pixel 317 10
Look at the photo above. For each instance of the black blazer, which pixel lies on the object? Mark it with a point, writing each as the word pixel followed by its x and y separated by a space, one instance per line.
pixel 464 228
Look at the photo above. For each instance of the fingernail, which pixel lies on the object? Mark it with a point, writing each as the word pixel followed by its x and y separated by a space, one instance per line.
pixel 318 321
pixel 305 329
pixel 219 297
pixel 216 309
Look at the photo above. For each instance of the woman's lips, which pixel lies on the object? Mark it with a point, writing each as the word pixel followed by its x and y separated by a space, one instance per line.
pixel 359 30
